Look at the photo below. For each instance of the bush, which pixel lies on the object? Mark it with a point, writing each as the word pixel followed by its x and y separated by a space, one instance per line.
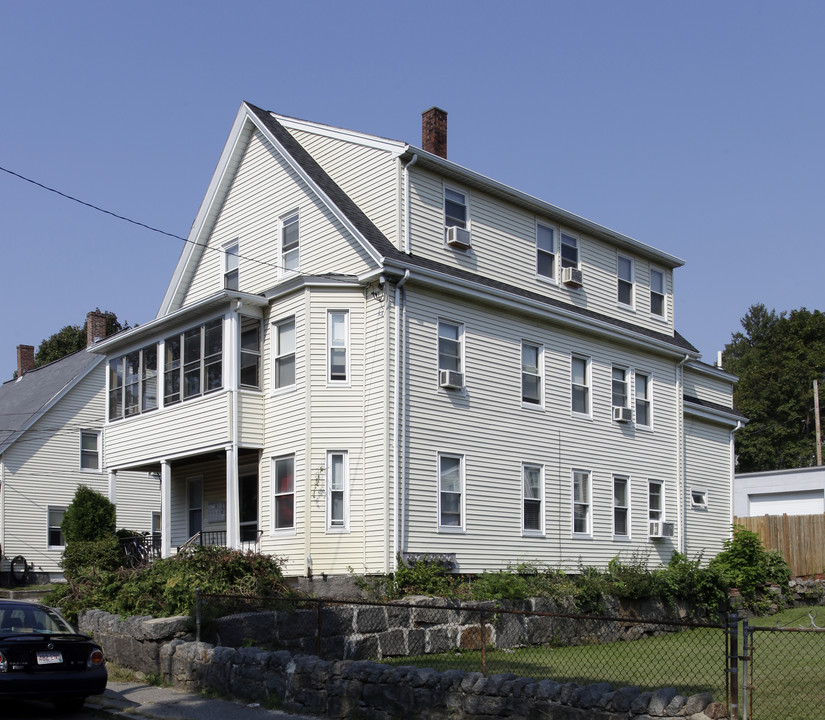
pixel 90 516
pixel 91 556
pixel 167 587
pixel 744 563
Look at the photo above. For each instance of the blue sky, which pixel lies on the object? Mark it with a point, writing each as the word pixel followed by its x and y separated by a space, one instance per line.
pixel 696 127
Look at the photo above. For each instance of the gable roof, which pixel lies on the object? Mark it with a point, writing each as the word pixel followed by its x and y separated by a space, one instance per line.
pixel 25 400
pixel 379 247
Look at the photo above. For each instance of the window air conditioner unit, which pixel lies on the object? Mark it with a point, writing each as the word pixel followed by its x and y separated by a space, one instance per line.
pixel 450 379
pixel 572 277
pixel 622 414
pixel 458 238
pixel 659 529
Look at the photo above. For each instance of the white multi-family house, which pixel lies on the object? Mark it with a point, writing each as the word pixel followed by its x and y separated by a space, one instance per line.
pixel 51 428
pixel 368 351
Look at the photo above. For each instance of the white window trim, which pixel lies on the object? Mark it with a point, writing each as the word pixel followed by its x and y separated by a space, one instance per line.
pixel 225 261
pixel 277 354
pixel 98 452
pixel 283 272
pixel 627 392
pixel 540 360
pixel 49 509
pixel 347 348
pixel 344 528
pixel 649 426
pixel 588 534
pixel 588 384
pixel 699 506
pixel 461 353
pixel 662 515
pixel 189 508
pixel 540 532
pixel 632 304
pixel 563 234
pixel 259 353
pixel 629 500
pixel 663 316
pixel 276 531
pixel 556 253
pixel 463 505
pixel 460 191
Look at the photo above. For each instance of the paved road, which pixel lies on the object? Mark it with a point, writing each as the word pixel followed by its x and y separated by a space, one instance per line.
pixel 137 700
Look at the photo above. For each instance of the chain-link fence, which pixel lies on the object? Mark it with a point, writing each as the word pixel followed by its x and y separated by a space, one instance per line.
pixel 784 674
pixel 446 635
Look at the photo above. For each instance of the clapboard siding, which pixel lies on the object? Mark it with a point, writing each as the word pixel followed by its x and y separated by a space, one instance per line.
pixel 471 424
pixel 707 467
pixel 706 387
pixel 504 248
pixel 265 189
pixel 138 496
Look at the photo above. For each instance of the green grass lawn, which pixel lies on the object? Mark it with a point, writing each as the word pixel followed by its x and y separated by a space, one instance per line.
pixel 787 671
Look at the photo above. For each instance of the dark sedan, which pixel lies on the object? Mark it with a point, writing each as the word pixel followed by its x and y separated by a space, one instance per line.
pixel 43 656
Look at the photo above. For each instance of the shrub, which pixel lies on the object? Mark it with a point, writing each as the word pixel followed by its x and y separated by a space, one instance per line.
pixel 91 556
pixel 744 563
pixel 90 516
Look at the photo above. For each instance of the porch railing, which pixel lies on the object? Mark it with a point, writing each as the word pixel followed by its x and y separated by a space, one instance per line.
pixel 217 538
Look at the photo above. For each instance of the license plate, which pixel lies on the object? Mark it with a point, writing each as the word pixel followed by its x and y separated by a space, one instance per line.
pixel 49 658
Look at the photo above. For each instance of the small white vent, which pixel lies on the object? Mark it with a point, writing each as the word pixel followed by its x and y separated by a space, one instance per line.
pixel 450 379
pixel 572 277
pixel 660 529
pixel 622 414
pixel 458 238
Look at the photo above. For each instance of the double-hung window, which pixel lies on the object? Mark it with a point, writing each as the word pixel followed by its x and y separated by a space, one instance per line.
pixel 531 374
pixel 54 531
pixel 338 346
pixel 582 508
pixel 545 251
pixel 195 505
pixel 455 209
pixel 250 353
pixel 290 255
pixel 90 450
pixel 450 354
pixel 450 492
pixel 644 416
pixel 193 362
pixel 532 499
pixel 133 383
pixel 580 385
pixel 655 501
pixel 621 506
pixel 230 266
pixel 624 272
pixel 657 292
pixel 337 491
pixel 569 251
pixel 284 353
pixel 283 493
pixel 619 387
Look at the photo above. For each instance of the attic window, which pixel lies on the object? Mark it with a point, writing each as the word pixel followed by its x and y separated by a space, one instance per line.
pixel 290 256
pixel 230 266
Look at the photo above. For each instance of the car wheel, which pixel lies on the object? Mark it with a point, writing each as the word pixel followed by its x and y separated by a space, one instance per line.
pixel 68 704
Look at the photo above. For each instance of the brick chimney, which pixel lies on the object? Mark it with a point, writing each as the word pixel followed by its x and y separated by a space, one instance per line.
pixel 434 131
pixel 95 326
pixel 25 359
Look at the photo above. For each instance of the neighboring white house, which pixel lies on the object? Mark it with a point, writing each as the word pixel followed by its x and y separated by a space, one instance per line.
pixel 51 432
pixel 367 350
pixel 800 491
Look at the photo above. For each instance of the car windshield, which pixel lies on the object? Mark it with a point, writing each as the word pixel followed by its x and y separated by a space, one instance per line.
pixel 27 618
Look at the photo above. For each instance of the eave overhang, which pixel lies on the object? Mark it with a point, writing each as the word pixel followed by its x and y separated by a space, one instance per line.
pixel 713 412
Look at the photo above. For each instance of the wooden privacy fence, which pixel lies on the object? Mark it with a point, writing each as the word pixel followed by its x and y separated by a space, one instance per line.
pixel 800 539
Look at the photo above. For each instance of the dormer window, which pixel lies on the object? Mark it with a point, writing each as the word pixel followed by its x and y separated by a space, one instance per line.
pixel 624 272
pixel 455 209
pixel 657 292
pixel 545 252
pixel 569 251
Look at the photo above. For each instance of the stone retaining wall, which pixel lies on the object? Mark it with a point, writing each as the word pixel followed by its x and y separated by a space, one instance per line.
pixel 350 688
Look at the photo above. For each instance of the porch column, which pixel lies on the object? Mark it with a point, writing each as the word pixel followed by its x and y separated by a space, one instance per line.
pixel 165 509
pixel 233 526
pixel 113 487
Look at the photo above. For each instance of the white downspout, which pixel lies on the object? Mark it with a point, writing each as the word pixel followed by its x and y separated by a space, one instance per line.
pixel 680 450
pixel 739 426
pixel 233 535
pixel 407 231
pixel 397 439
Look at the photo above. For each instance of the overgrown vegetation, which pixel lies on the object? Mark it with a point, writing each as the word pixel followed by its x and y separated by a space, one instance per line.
pixel 585 591
pixel 167 587
pixel 745 564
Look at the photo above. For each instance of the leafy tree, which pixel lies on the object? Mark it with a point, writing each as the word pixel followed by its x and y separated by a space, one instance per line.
pixel 777 356
pixel 71 339
pixel 89 517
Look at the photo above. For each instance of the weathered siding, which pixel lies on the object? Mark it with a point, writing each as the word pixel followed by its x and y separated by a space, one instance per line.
pixel 504 247
pixel 707 467
pixel 264 190
pixel 473 423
